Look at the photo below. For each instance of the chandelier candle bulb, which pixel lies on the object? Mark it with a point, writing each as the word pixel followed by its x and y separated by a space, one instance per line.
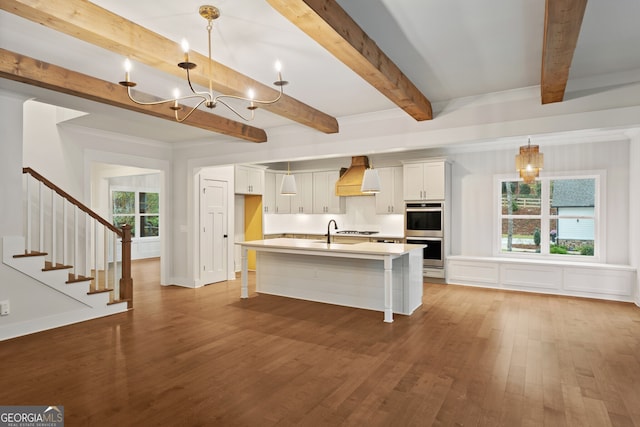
pixel 185 49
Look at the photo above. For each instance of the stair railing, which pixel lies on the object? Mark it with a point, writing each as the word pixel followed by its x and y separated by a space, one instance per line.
pixel 72 236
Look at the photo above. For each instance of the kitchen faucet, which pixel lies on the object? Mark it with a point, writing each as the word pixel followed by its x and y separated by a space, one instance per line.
pixel 335 227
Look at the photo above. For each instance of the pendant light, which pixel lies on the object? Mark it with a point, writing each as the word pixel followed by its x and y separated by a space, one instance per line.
pixel 288 186
pixel 370 181
pixel 529 162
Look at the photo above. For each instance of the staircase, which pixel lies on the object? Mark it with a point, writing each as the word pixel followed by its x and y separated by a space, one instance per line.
pixel 71 249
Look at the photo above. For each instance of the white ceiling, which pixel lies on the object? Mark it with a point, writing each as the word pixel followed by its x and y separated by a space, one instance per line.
pixel 449 48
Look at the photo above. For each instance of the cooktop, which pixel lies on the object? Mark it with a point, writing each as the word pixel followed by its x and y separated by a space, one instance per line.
pixel 364 233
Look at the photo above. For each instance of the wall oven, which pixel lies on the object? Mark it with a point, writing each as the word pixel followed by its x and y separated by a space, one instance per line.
pixel 433 253
pixel 424 219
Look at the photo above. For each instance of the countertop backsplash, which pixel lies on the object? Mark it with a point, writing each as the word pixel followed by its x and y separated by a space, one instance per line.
pixel 360 215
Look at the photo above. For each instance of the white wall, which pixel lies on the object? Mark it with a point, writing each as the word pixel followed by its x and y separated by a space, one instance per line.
pixel 472 188
pixel 31 303
pixel 359 215
pixel 634 208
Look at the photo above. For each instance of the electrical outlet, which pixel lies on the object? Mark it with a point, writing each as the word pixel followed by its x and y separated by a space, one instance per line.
pixel 4 308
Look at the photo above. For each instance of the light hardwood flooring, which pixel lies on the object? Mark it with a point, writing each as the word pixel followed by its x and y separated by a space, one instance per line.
pixel 204 357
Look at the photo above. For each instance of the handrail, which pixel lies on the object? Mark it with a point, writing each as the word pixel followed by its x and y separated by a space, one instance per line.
pixel 73 201
pixel 126 281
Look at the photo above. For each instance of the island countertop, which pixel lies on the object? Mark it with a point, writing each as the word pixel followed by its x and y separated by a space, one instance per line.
pixel 305 245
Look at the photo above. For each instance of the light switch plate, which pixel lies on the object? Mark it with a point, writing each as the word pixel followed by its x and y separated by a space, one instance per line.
pixel 4 308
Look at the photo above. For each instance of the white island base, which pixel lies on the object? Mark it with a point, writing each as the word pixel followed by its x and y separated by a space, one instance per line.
pixel 385 277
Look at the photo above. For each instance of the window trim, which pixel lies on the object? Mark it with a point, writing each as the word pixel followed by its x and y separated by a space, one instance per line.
pixel 600 252
pixel 136 214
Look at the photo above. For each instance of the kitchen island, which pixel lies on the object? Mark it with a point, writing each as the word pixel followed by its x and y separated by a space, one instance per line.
pixel 385 277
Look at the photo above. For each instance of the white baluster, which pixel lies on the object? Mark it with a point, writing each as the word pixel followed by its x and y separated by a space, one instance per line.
pixel 41 222
pixel 28 214
pixel 116 276
pixel 65 235
pixel 75 241
pixel 105 256
pixel 96 280
pixel 54 234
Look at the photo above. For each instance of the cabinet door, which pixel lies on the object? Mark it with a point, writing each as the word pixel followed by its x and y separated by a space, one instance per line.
pixel 269 196
pixel 248 180
pixel 434 181
pixel 335 204
pixel 384 199
pixel 320 193
pixel 397 202
pixel 324 193
pixel 241 180
pixel 390 198
pixel 283 203
pixel 413 181
pixel 302 202
pixel 255 180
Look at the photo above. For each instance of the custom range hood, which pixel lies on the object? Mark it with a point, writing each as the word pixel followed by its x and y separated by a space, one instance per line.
pixel 350 181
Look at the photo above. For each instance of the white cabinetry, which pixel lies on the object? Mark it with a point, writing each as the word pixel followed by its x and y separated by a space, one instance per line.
pixel 282 203
pixel 302 202
pixel 324 193
pixel 389 200
pixel 249 180
pixel 269 197
pixel 424 181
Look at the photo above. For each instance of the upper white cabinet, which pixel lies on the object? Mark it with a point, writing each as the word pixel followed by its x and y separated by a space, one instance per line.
pixel 390 198
pixel 302 202
pixel 249 180
pixel 424 181
pixel 324 193
pixel 282 204
pixel 269 196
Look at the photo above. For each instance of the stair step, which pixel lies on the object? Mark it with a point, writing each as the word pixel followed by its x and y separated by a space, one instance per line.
pixel 99 291
pixel 118 301
pixel 48 266
pixel 75 279
pixel 30 254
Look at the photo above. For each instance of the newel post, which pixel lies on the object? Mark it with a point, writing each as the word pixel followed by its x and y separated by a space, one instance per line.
pixel 126 282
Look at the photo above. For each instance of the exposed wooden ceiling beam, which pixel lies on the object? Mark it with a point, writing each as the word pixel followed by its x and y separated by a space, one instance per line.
pixel 24 69
pixel 328 24
pixel 93 24
pixel 562 22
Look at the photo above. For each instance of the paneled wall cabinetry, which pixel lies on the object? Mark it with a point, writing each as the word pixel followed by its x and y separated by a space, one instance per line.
pixel 249 180
pixel 425 180
pixel 390 198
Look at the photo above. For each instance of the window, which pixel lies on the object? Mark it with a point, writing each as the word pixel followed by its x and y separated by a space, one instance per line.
pixel 555 217
pixel 138 209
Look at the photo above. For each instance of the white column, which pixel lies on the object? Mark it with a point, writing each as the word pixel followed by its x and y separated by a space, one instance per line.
pixel 244 289
pixel 388 289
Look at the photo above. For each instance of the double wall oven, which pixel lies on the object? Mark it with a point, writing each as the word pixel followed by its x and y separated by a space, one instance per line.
pixel 424 225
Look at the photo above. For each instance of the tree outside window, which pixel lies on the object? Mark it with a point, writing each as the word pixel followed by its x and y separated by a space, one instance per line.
pixel 549 217
pixel 138 209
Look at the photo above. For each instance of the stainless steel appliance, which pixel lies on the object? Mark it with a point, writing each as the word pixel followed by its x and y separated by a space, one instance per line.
pixel 433 253
pixel 424 219
pixel 424 225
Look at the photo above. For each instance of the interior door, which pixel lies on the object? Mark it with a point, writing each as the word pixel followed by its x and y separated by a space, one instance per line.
pixel 213 231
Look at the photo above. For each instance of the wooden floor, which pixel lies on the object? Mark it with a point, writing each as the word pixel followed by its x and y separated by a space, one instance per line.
pixel 203 357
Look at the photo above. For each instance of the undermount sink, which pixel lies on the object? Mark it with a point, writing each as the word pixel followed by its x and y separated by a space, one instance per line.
pixel 334 243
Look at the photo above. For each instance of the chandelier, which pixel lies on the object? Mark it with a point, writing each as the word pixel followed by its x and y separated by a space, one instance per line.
pixel 205 98
pixel 529 162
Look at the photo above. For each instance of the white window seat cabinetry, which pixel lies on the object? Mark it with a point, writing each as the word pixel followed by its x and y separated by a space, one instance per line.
pixel 590 280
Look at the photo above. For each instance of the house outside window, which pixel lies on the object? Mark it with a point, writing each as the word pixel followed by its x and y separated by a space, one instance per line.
pixel 554 217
